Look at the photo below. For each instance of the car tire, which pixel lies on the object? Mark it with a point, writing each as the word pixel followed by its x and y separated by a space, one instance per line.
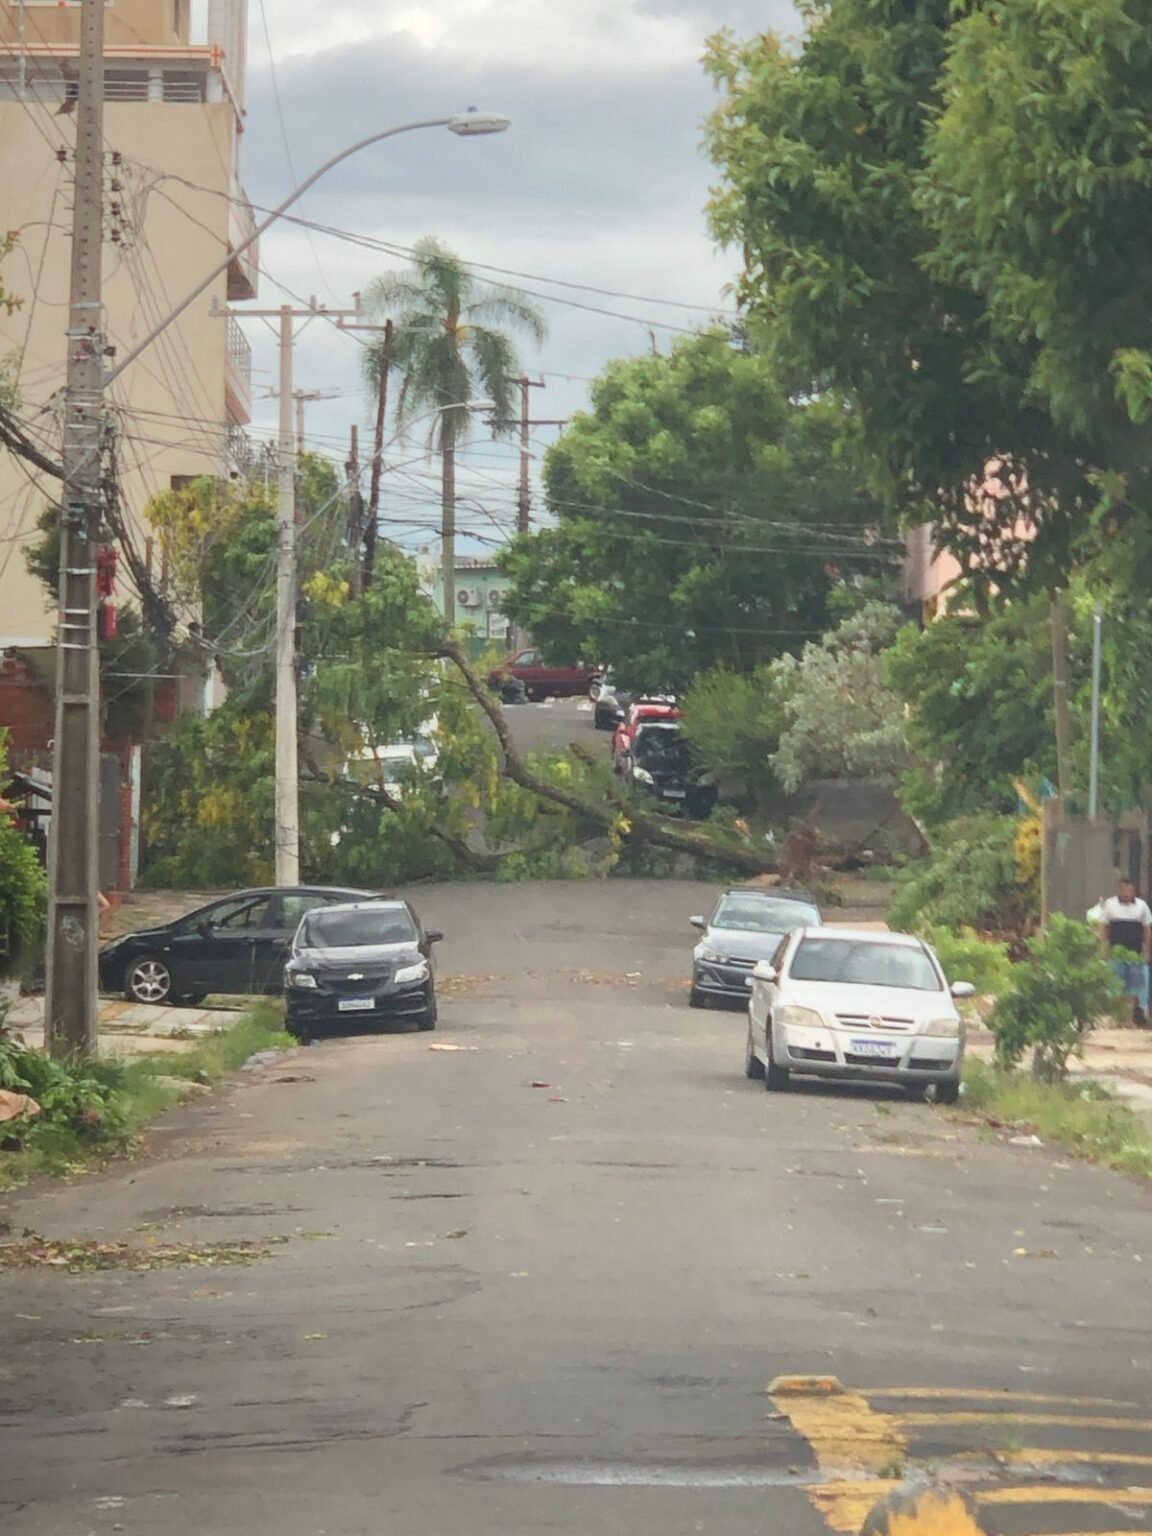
pixel 753 1066
pixel 148 979
pixel 698 999
pixel 776 1079
pixel 427 1020
pixel 299 1032
pixel 534 695
pixel 948 1091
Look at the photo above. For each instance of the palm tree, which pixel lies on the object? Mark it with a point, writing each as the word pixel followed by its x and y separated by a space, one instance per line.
pixel 447 344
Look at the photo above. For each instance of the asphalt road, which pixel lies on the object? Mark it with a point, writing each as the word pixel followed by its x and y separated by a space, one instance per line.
pixel 540 1283
pixel 551 726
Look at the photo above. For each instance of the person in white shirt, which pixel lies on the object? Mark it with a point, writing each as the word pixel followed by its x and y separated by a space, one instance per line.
pixel 1126 936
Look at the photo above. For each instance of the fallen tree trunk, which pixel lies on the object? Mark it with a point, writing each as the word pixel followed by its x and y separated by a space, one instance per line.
pixel 625 819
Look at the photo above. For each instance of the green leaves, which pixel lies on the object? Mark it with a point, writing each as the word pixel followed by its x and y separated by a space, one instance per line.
pixel 702 518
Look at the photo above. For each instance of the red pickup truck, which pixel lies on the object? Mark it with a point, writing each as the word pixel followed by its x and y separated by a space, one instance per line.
pixel 540 680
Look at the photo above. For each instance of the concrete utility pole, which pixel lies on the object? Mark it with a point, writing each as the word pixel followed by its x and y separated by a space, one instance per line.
pixel 355 511
pixel 70 1009
pixel 524 494
pixel 287 815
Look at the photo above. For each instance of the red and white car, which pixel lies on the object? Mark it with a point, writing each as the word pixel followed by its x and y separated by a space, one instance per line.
pixel 643 712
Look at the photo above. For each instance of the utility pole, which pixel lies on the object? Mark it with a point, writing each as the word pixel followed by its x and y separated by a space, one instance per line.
pixel 287 814
pixel 1094 752
pixel 376 465
pixel 524 494
pixel 355 511
pixel 70 1010
pixel 1058 619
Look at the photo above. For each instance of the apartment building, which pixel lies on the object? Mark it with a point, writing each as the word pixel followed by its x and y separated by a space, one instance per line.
pixel 174 207
pixel 173 128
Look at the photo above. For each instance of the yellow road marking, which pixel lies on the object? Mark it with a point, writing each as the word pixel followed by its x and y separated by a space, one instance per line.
pixel 959 1394
pixel 1056 1493
pixel 846 1435
pixel 1039 1456
pixel 1055 1420
pixel 937 1512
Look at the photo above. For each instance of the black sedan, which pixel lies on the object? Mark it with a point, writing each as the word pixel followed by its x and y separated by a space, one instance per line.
pixel 236 944
pixel 360 963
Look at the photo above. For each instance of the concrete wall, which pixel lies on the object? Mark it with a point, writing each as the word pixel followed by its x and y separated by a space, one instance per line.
pixel 1077 862
pixel 127 23
pixel 171 404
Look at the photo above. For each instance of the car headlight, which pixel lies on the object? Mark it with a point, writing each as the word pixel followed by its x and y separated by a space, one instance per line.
pixel 714 955
pixel 946 1029
pixel 416 972
pixel 301 979
pixel 804 1018
pixel 642 776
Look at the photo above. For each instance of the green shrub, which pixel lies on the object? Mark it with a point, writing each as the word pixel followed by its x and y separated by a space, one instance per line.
pixel 1057 990
pixel 971 880
pixel 965 956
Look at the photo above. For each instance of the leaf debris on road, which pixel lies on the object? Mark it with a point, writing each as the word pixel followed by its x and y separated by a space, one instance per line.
pixel 35 1252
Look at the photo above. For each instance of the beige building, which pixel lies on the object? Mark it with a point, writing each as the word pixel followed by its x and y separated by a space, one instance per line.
pixel 174 205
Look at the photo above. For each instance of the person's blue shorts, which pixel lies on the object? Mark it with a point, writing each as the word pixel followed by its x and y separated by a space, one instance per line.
pixel 1133 976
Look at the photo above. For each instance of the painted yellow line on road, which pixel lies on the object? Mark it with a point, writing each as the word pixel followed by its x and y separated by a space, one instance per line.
pixel 930 1512
pixel 962 1394
pixel 1058 1493
pixel 846 1435
pixel 1054 1420
pixel 1043 1456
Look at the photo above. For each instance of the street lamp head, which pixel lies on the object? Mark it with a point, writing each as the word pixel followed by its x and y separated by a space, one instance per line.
pixel 472 123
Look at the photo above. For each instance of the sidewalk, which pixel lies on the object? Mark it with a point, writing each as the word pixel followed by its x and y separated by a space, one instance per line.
pixel 1118 1059
pixel 129 1028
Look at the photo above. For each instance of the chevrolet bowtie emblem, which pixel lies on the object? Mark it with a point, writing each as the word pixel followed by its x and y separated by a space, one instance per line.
pixel 355 976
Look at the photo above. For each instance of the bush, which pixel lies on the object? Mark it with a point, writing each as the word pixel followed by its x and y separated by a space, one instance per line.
pixel 75 1102
pixel 971 880
pixel 1057 990
pixel 965 956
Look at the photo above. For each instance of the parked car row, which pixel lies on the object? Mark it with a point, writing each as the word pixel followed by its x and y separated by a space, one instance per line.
pixel 839 1003
pixel 335 953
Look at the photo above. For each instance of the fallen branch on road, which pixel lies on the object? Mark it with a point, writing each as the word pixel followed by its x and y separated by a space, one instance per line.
pixel 627 821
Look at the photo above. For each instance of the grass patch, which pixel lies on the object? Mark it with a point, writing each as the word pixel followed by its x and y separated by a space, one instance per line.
pixel 1082 1116
pixel 98 1111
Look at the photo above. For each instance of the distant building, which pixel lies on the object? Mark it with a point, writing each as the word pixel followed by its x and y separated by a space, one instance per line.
pixel 174 205
pixel 479 589
pixel 929 578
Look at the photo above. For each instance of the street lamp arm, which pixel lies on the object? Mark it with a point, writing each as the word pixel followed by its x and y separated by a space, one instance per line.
pixel 277 212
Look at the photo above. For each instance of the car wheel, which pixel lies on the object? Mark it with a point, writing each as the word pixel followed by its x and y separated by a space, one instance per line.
pixel 698 999
pixel 948 1091
pixel 149 980
pixel 299 1031
pixel 776 1079
pixel 427 1019
pixel 753 1066
pixel 594 690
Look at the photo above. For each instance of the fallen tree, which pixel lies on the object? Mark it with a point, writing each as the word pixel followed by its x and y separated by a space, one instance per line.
pixel 625 819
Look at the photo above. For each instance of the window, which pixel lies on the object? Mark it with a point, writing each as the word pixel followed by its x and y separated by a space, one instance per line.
pixel 358 929
pixel 752 914
pixel 860 963
pixel 297 906
pixel 239 916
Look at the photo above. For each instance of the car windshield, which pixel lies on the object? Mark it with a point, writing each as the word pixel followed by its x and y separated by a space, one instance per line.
pixel 662 743
pixel 857 962
pixel 752 915
pixel 356 930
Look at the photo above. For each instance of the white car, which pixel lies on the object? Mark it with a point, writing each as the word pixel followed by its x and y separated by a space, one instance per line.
pixel 847 1003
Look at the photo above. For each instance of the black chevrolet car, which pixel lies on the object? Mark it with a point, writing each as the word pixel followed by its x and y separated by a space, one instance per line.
pixel 361 963
pixel 238 943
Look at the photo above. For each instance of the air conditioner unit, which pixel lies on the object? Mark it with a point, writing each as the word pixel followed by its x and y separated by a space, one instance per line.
pixel 469 597
pixel 495 598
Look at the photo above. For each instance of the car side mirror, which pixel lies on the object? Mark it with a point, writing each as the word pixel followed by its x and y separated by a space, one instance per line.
pixel 204 928
pixel 698 922
pixel 433 936
pixel 962 989
pixel 763 970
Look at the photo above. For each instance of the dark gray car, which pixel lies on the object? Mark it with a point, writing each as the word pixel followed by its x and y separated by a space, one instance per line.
pixel 746 925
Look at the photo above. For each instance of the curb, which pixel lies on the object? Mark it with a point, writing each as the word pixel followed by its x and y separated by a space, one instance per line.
pixel 925 1511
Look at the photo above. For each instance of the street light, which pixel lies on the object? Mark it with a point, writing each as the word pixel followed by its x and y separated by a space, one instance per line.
pixel 70 1009
pixel 470 124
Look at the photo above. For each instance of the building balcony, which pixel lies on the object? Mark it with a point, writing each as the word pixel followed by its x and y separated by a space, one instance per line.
pixel 243 269
pixel 237 373
pixel 45 73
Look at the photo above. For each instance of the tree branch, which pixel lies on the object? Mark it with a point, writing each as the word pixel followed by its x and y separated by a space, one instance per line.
pixel 629 821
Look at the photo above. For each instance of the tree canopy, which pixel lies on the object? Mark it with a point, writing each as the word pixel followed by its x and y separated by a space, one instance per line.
pixel 823 152
pixel 702 518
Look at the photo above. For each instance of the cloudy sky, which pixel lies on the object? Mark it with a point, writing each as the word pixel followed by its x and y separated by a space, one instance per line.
pixel 600 180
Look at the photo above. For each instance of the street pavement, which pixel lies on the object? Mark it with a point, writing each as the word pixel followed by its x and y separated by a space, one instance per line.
pixel 554 724
pixel 540 1282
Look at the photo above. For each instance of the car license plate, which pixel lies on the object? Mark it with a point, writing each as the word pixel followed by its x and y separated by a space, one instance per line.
pixel 882 1049
pixel 356 1004
pixel 673 794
